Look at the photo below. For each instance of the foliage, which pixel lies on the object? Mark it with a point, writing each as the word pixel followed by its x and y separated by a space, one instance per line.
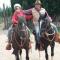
pixel 58 29
pixel 52 6
pixel 1 19
pixel 15 1
pixel 1 12
pixel 8 11
pixel 25 3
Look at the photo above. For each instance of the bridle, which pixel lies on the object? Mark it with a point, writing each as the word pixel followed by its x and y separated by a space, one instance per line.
pixel 21 38
pixel 47 34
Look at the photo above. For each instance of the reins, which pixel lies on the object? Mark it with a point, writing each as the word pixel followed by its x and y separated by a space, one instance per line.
pixel 26 37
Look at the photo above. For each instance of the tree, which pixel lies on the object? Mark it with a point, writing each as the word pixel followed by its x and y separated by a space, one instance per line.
pixel 52 6
pixel 1 12
pixel 25 3
pixel 8 11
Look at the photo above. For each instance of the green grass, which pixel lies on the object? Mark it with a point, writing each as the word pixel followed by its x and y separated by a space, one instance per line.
pixel 58 29
pixel 1 20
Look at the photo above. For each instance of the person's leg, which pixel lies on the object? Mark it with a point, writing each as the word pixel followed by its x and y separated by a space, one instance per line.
pixel 8 46
pixel 36 33
pixel 37 37
pixel 10 31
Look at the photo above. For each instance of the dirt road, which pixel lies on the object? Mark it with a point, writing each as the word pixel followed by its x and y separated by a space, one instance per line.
pixel 33 54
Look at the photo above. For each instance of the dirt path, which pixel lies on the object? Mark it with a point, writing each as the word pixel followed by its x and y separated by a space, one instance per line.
pixel 7 55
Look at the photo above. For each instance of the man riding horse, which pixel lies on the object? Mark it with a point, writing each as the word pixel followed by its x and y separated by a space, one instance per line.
pixel 36 13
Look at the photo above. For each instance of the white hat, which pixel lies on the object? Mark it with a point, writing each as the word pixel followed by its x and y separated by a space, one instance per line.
pixel 17 5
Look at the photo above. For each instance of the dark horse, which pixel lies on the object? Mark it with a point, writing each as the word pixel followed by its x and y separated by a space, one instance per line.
pixel 47 37
pixel 20 38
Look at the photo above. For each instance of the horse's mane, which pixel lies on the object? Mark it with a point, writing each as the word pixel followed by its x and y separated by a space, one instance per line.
pixel 21 26
pixel 21 21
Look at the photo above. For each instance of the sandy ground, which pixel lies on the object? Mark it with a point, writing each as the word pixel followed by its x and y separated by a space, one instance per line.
pixel 33 54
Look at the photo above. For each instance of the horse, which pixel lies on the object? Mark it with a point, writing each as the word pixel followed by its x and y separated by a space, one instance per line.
pixel 57 38
pixel 46 37
pixel 20 38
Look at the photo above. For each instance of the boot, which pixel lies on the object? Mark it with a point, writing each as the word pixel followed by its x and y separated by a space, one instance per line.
pixel 36 46
pixel 8 47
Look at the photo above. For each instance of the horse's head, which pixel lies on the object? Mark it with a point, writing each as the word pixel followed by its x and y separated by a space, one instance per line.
pixel 46 28
pixel 21 22
pixel 21 36
pixel 45 25
pixel 21 28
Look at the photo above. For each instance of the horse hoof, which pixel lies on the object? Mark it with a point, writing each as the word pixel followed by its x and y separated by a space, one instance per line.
pixel 27 58
pixel 52 54
pixel 8 47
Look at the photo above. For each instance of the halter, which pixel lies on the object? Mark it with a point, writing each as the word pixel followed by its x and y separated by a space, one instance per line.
pixel 50 35
pixel 21 38
pixel 46 30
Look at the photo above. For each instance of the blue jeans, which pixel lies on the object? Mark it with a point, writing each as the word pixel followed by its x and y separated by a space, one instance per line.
pixel 37 33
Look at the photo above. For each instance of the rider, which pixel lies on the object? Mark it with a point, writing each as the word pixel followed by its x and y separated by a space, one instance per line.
pixel 18 13
pixel 36 12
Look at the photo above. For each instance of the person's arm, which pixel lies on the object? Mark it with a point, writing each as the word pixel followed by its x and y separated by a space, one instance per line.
pixel 14 19
pixel 44 14
pixel 48 17
pixel 28 14
pixel 28 17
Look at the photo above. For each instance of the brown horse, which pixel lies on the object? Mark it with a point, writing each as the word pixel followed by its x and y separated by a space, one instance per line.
pixel 20 38
pixel 46 38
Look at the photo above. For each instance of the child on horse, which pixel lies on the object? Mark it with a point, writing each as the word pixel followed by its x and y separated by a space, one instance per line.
pixel 18 13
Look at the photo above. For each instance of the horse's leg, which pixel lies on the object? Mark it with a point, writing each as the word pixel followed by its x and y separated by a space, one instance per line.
pixel 20 54
pixel 15 52
pixel 52 48
pixel 27 52
pixel 46 53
